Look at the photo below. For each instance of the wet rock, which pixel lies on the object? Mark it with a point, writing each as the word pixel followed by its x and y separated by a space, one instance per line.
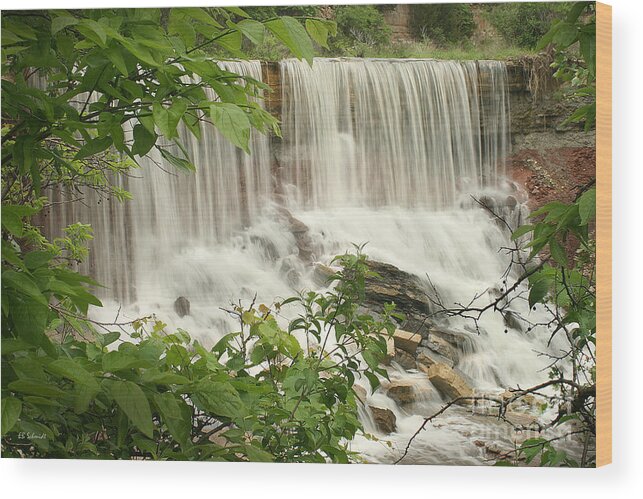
pixel 390 350
pixel 385 419
pixel 322 274
pixel 522 420
pixel 299 231
pixel 290 272
pixel 450 383
pixel 449 344
pixel 182 306
pixel 403 392
pixel 426 358
pixel 406 341
pixel 269 249
pixel 404 289
pixel 405 359
pixel 511 202
pixel 512 320
pixel 360 393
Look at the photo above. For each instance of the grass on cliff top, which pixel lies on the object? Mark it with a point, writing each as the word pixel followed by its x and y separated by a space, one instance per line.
pixel 272 50
pixel 421 50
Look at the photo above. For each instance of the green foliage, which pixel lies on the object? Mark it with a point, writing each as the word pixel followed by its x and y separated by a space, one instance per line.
pixel 442 23
pixel 525 23
pixel 564 283
pixel 576 29
pixel 107 70
pixel 359 27
pixel 568 286
pixel 257 395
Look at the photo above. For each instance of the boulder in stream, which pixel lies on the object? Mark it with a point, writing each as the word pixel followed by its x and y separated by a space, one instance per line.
pixel 449 382
pixel 182 306
pixel 385 419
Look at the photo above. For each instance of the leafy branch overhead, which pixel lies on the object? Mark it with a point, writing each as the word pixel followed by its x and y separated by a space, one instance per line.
pixel 578 28
pixel 104 72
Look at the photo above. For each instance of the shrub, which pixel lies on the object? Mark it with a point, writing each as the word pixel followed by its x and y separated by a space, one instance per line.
pixel 449 23
pixel 359 26
pixel 524 24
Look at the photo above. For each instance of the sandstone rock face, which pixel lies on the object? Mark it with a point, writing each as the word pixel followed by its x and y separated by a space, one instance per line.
pixel 395 285
pixel 402 392
pixel 448 381
pixel 299 231
pixel 390 351
pixel 449 344
pixel 385 419
pixel 406 341
pixel 512 320
pixel 360 393
pixel 182 306
pixel 405 359
pixel 322 274
pixel 426 358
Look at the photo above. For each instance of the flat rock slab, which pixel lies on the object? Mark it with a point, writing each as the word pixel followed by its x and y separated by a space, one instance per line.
pixel 404 340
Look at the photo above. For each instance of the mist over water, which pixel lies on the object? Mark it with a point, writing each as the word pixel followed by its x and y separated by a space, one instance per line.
pixel 384 152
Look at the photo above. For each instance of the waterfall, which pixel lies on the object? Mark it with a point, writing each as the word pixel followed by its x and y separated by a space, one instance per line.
pixel 408 133
pixel 387 152
pixel 172 212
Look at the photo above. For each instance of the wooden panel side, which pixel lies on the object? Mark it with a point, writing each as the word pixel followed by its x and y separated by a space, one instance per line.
pixel 604 233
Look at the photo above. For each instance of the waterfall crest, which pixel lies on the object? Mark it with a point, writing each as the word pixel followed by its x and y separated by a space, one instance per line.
pixel 409 133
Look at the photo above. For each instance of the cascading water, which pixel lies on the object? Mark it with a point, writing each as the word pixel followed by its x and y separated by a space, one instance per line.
pixel 380 151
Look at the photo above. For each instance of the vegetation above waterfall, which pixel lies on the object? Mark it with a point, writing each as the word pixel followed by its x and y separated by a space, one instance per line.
pixel 442 31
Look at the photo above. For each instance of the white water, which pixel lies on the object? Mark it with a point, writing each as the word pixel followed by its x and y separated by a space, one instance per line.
pixel 379 151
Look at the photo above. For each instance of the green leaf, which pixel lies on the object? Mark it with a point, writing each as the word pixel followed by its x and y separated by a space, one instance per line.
pixel 521 231
pixel 115 55
pixel 12 217
pixel 29 318
pixel 85 393
pixel 231 41
pixel 163 378
pixel 20 29
pixel 199 14
pixel 94 146
pixel 221 399
pixel 254 30
pixel 143 140
pixel 40 388
pixel 232 122
pixel 587 206
pixel 557 252
pixel 565 35
pixel 318 31
pixel 108 338
pixel 11 409
pixel 176 415
pixel 62 22
pixel 36 259
pixel 237 11
pixel 120 360
pixel 168 119
pixel 257 455
pixel 184 29
pixel 134 404
pixel 292 34
pixel 538 291
pixel 24 283
pixel 180 163
pixel 70 369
